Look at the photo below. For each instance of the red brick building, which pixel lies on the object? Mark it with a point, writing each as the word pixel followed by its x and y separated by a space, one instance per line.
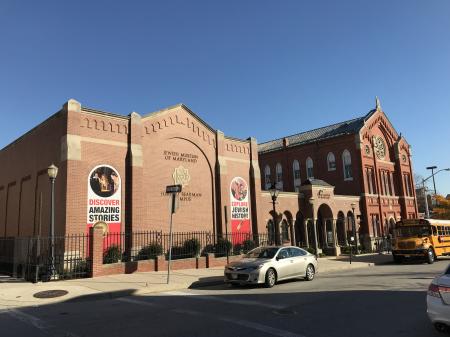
pixel 113 170
pixel 364 157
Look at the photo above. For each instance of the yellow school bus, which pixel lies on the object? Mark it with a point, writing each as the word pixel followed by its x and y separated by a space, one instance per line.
pixel 422 238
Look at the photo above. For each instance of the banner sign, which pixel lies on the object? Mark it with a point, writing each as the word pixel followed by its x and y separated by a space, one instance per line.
pixel 104 199
pixel 240 217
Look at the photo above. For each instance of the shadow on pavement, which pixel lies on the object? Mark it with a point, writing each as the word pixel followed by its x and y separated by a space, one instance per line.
pixel 375 259
pixel 313 314
pixel 207 282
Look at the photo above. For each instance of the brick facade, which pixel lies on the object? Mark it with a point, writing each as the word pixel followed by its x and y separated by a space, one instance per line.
pixel 146 151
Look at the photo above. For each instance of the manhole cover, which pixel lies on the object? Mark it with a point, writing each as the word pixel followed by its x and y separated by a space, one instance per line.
pixel 284 312
pixel 50 293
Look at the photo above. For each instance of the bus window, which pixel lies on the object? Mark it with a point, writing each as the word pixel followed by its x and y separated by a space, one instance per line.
pixel 440 231
pixel 434 230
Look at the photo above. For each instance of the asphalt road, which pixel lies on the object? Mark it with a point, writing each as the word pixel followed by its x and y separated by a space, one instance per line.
pixel 387 300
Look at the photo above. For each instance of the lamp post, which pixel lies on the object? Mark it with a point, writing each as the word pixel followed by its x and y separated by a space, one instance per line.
pixel 432 168
pixel 274 194
pixel 427 211
pixel 355 234
pixel 316 247
pixel 52 172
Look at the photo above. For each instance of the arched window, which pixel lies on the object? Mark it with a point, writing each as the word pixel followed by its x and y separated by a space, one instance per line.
pixel 331 162
pixel 284 231
pixel 296 171
pixel 271 231
pixel 267 177
pixel 309 168
pixel 347 163
pixel 279 176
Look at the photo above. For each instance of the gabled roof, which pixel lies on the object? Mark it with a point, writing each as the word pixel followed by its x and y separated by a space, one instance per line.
pixel 183 106
pixel 316 182
pixel 352 126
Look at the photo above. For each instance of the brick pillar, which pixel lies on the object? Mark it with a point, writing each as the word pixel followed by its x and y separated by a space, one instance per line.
pixel 96 250
pixel 255 184
pixel 160 263
pixel 222 197
pixel 134 177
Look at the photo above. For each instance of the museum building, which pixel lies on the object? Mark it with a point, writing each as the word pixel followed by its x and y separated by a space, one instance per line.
pixel 114 169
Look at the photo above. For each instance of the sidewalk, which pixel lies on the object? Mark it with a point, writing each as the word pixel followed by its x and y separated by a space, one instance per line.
pixel 15 293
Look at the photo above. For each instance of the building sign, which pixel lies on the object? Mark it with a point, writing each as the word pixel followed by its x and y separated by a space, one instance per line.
pixel 322 195
pixel 240 217
pixel 104 199
pixel 181 157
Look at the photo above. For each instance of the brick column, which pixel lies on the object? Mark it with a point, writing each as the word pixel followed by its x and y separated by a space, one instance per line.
pixel 255 184
pixel 96 250
pixel 220 181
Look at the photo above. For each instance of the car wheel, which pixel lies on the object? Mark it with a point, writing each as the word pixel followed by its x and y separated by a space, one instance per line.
pixel 310 272
pixel 441 327
pixel 430 256
pixel 271 278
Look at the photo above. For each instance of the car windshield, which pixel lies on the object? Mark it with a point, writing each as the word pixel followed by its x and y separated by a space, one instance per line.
pixel 413 231
pixel 262 253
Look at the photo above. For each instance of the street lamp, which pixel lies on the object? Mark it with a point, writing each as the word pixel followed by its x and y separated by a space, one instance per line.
pixel 52 172
pixel 432 168
pixel 274 194
pixel 355 235
pixel 427 211
pixel 316 246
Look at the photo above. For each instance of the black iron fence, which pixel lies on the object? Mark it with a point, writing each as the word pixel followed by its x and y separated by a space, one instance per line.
pixel 119 247
pixel 33 259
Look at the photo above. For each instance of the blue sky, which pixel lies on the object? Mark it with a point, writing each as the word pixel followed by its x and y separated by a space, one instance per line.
pixel 250 68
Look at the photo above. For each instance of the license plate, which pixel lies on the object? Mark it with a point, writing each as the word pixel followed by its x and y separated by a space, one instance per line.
pixel 234 276
pixel 407 255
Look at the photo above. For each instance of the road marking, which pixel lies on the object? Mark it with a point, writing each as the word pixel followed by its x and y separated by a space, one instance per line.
pixel 29 319
pixel 226 300
pixel 247 324
pixel 130 300
pixel 38 323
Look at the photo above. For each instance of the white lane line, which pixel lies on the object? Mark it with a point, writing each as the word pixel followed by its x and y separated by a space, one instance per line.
pixel 226 300
pixel 130 300
pixel 38 323
pixel 29 319
pixel 247 324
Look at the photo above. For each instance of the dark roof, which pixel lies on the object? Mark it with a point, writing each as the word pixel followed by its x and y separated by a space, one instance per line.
pixel 339 129
pixel 316 182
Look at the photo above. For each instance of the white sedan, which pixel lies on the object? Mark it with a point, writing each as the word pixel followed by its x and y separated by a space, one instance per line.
pixel 270 264
pixel 438 301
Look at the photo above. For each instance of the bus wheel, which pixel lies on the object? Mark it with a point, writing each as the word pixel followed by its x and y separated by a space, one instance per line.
pixel 430 255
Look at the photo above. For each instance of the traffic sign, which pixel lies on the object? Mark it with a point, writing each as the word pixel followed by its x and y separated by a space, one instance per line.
pixel 173 189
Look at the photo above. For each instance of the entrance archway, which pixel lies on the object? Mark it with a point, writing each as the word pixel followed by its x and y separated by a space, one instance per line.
pixel 340 229
pixel 300 237
pixel 271 234
pixel 325 235
pixel 391 226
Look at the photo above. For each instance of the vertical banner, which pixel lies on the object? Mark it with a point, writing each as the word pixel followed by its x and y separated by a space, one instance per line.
pixel 240 218
pixel 104 199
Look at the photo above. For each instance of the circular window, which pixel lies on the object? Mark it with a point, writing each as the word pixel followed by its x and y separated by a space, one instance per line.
pixel 404 158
